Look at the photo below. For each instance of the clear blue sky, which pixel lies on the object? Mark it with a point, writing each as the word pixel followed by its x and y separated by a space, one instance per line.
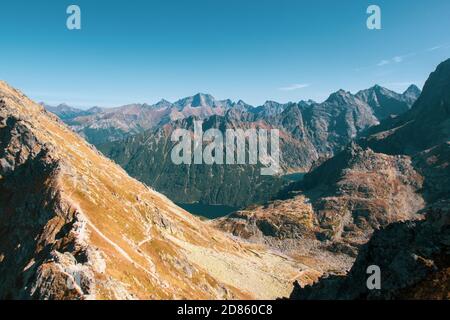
pixel 255 50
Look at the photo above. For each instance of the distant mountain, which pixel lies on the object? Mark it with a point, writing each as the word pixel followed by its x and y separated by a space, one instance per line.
pixel 386 103
pixel 334 123
pixel 411 94
pixel 270 108
pixel 66 112
pixel 117 123
pixel 99 125
pixel 103 125
pixel 198 100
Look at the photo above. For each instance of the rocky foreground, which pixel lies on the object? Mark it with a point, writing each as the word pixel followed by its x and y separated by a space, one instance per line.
pixel 414 259
pixel 74 225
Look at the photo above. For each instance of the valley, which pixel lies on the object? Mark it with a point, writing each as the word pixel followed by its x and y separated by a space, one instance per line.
pixel 225 158
pixel 356 191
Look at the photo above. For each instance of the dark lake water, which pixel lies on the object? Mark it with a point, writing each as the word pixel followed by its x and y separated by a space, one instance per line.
pixel 294 176
pixel 207 210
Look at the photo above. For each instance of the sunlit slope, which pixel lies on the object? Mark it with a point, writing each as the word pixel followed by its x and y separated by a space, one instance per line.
pixel 85 229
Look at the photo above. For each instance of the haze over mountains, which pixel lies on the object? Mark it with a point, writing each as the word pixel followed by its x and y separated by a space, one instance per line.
pixel 310 132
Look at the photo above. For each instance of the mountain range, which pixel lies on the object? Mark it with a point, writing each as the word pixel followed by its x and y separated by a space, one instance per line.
pixel 96 124
pixel 75 225
pixel 310 132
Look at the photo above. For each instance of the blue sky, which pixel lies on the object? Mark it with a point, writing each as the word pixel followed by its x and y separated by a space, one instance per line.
pixel 255 50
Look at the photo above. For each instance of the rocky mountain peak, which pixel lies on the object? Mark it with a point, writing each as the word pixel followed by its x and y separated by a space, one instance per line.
pixel 163 103
pixel 95 110
pixel 436 91
pixel 198 100
pixel 412 91
pixel 272 104
pixel 201 99
pixel 341 96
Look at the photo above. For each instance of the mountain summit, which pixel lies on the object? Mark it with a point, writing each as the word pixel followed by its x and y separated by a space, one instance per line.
pixel 412 91
pixel 422 127
pixel 386 103
pixel 198 100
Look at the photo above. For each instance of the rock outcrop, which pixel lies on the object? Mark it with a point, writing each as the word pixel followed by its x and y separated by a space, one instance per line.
pixel 335 209
pixel 359 191
pixel 414 259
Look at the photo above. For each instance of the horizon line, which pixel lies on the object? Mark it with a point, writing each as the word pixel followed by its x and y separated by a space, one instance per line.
pixel 86 106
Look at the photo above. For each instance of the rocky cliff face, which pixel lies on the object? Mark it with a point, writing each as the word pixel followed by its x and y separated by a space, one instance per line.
pixel 73 225
pixel 425 126
pixel 336 208
pixel 413 256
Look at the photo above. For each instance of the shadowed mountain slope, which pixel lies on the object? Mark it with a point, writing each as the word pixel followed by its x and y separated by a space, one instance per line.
pixel 414 256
